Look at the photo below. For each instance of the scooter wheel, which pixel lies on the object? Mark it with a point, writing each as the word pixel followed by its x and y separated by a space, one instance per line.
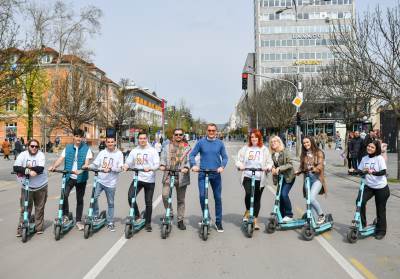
pixel 249 230
pixel 164 231
pixel 169 228
pixel 352 235
pixel 204 232
pixel 128 231
pixel 86 231
pixel 57 232
pixel 24 237
pixel 271 226
pixel 308 233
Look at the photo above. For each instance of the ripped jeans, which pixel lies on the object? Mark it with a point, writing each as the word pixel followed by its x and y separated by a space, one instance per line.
pixel 315 188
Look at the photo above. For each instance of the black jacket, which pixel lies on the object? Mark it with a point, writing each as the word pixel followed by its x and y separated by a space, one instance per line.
pixel 355 146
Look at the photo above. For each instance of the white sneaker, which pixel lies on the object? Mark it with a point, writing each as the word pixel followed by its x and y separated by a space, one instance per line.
pixel 321 219
pixel 80 226
pixel 287 219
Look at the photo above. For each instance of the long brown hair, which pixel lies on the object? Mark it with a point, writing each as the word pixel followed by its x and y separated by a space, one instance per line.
pixel 314 148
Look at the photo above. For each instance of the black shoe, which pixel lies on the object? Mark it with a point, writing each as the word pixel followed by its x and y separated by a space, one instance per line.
pixel 148 227
pixel 218 227
pixel 379 236
pixel 181 225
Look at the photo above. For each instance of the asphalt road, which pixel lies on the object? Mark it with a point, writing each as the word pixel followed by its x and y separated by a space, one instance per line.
pixel 231 254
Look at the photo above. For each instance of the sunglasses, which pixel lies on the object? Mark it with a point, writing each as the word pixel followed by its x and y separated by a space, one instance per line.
pixel 33 146
pixel 211 130
pixel 178 135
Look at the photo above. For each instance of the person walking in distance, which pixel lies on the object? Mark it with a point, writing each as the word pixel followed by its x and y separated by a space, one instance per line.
pixel 175 156
pixel 212 156
pixel 75 156
pixel 6 146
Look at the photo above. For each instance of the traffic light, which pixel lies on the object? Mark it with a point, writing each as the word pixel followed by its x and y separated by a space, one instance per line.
pixel 244 81
pixel 298 118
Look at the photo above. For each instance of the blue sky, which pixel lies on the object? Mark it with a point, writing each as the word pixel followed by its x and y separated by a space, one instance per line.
pixel 183 49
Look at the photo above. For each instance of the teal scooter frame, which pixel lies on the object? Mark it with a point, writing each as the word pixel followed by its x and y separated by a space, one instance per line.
pixel 60 227
pixel 356 229
pixel 28 224
pixel 248 226
pixel 205 221
pixel 166 221
pixel 132 226
pixel 93 224
pixel 311 228
pixel 275 221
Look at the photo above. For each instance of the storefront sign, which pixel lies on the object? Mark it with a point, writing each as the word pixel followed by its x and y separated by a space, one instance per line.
pixel 307 62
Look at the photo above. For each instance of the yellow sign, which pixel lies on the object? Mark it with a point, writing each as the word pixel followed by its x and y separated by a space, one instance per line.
pixel 297 102
pixel 307 62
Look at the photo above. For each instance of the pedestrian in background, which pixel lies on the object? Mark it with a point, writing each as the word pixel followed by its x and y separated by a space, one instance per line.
pixel 17 148
pixel 6 146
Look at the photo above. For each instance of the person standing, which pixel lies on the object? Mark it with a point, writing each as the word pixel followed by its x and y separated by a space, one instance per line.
pixel 6 146
pixel 175 156
pixel 158 147
pixel 282 165
pixel 375 185
pixel 355 149
pixel 32 162
pixel 254 155
pixel 75 156
pixel 17 148
pixel 145 157
pixel 212 156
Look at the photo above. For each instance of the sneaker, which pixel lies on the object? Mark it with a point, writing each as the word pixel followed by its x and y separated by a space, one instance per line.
pixel 65 219
pixel 287 219
pixel 39 232
pixel 218 227
pixel 181 225
pixel 321 219
pixel 246 216
pixel 111 227
pixel 379 236
pixel 79 226
pixel 148 227
pixel 256 225
pixel 19 231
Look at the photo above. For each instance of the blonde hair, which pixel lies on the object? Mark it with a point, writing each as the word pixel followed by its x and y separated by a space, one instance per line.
pixel 281 146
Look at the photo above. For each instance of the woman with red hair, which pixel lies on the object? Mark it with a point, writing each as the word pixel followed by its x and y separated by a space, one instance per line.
pixel 254 155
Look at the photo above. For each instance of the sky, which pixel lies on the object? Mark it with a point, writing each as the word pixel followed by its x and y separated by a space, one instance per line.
pixel 190 50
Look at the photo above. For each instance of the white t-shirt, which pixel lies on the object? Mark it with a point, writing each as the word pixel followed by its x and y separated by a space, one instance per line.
pixel 376 163
pixel 253 159
pixel 147 157
pixel 113 160
pixel 27 160
pixel 89 156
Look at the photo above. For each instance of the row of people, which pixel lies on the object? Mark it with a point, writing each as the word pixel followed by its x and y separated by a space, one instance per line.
pixel 254 154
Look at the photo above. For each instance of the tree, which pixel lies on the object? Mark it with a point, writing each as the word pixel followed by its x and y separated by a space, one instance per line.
pixel 371 48
pixel 121 108
pixel 75 99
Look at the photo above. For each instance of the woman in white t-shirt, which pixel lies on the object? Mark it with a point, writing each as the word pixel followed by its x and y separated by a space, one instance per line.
pixel 254 155
pixel 375 185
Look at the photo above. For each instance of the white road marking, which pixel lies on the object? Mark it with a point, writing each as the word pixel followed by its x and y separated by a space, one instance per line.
pixel 350 270
pixel 102 263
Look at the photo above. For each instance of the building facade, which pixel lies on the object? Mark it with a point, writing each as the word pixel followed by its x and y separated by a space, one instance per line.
pixel 292 38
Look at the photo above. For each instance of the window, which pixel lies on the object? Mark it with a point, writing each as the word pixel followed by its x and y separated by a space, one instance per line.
pixel 11 105
pixel 46 59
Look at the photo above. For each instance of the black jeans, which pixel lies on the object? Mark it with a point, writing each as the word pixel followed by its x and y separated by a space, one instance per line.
pixel 148 198
pixel 381 197
pixel 80 192
pixel 257 195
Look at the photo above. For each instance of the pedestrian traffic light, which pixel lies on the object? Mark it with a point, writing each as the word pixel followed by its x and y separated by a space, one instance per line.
pixel 298 119
pixel 244 80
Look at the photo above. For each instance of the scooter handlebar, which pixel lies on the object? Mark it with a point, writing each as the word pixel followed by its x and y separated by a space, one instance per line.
pixel 62 171
pixel 251 169
pixel 135 169
pixel 93 169
pixel 208 170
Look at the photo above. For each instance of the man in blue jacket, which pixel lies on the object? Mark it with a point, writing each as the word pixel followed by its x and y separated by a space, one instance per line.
pixel 212 156
pixel 75 157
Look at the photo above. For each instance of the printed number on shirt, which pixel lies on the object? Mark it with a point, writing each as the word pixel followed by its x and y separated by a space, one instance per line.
pixel 369 166
pixel 254 155
pixel 142 159
pixel 31 163
pixel 107 163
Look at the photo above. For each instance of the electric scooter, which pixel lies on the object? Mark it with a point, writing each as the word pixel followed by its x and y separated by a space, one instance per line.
pixel 248 225
pixel 311 228
pixel 28 224
pixel 357 230
pixel 276 219
pixel 166 222
pixel 60 227
pixel 131 224
pixel 93 223
pixel 205 222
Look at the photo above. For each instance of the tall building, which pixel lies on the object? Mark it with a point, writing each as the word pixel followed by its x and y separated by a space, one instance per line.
pixel 292 37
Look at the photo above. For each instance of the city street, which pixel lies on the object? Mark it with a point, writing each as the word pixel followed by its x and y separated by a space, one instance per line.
pixel 184 254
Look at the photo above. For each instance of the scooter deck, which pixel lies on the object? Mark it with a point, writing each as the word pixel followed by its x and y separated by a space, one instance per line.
pixel 368 230
pixel 292 224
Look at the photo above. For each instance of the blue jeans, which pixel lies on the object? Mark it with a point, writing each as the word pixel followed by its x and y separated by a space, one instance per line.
pixel 110 192
pixel 315 188
pixel 216 186
pixel 285 205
